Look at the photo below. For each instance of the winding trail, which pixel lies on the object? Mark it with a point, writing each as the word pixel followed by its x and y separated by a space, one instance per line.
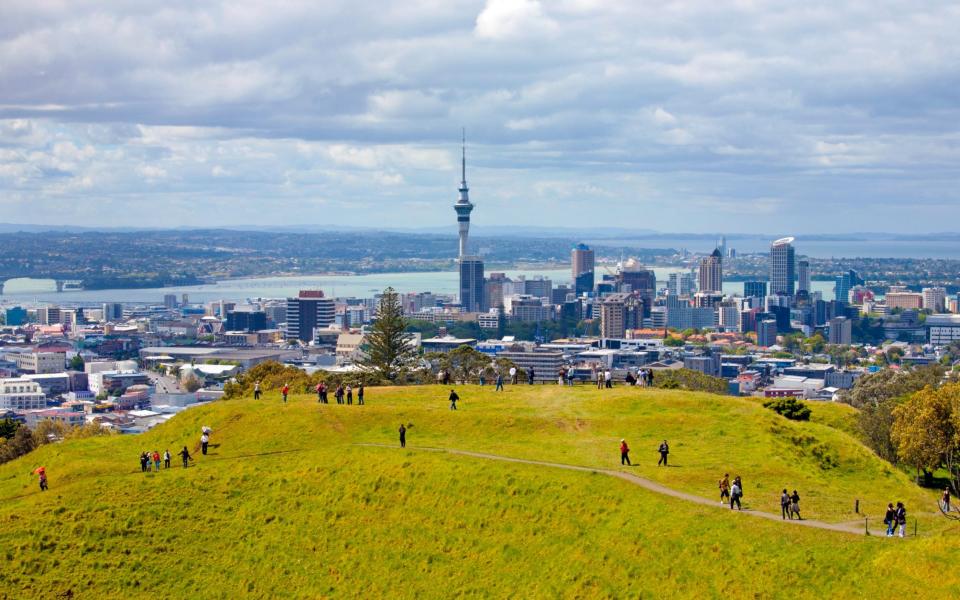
pixel 644 483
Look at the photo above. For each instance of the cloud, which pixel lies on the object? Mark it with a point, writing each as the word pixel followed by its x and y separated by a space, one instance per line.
pixel 691 110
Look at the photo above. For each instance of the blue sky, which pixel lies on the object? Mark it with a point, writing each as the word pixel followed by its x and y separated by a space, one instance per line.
pixel 677 116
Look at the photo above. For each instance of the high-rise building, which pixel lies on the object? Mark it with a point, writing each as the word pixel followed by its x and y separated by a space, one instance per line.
pixel 766 333
pixel 48 315
pixel 803 276
pixel 935 299
pixel 308 311
pixel 582 262
pixel 112 311
pixel 680 284
pixel 642 282
pixel 840 331
pixel 538 287
pixel 471 284
pixel 844 283
pixel 246 320
pixel 754 289
pixel 782 267
pixel 619 312
pixel 711 273
pixel 15 316
pixel 169 300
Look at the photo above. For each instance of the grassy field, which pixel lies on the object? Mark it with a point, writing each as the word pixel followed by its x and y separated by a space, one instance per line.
pixel 288 505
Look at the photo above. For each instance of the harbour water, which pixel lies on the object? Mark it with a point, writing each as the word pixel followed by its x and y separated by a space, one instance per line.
pixel 30 291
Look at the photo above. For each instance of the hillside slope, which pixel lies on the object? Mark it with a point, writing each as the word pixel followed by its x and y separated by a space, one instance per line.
pixel 290 505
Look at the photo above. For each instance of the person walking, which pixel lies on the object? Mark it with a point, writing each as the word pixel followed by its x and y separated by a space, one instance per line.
pixel 156 461
pixel 664 450
pixel 338 393
pixel 499 387
pixel 453 400
pixel 785 505
pixel 901 516
pixel 256 391
pixel 349 394
pixel 650 378
pixel 724 485
pixel 204 441
pixel 946 500
pixel 795 505
pixel 570 377
pixel 513 376
pixel 144 462
pixel 319 390
pixel 360 394
pixel 599 373
pixel 624 453
pixel 166 458
pixel 736 492
pixel 285 390
pixel 608 379
pixel 403 436
pixel 41 473
pixel 185 455
pixel 531 376
pixel 323 393
pixel 890 519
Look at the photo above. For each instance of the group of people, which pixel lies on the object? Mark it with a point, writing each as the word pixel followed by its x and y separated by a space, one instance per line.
pixel 343 393
pixel 790 505
pixel 498 380
pixel 731 492
pixel 663 449
pixel 643 378
pixel 896 519
pixel 152 459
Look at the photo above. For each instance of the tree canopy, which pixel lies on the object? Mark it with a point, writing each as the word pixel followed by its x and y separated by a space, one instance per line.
pixel 387 347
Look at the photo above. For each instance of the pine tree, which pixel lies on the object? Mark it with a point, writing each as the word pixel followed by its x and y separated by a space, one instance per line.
pixel 387 346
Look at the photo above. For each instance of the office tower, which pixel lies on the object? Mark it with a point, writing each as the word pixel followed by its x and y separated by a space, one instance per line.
pixel 184 300
pixel 495 288
pixel 471 284
pixel 538 287
pixel 803 276
pixel 16 316
pixel 711 273
pixel 841 331
pixel 308 311
pixel 618 313
pixel 680 284
pixel 560 293
pixel 935 299
pixel 754 289
pixel 48 315
pixel 246 320
pixel 112 311
pixel 582 262
pixel 633 277
pixel 169 300
pixel 844 283
pixel 782 267
pixel 766 333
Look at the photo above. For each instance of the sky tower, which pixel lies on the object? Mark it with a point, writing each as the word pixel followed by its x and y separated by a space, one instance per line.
pixel 463 206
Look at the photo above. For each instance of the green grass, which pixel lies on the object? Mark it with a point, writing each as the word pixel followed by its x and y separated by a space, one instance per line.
pixel 324 517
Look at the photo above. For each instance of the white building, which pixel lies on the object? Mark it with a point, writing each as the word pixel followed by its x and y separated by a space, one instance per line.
pixel 935 299
pixel 41 362
pixel 942 329
pixel 21 394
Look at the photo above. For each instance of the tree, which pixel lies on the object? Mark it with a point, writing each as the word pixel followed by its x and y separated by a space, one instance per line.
pixel 76 363
pixel 8 427
pixel 387 346
pixel 790 407
pixel 191 384
pixel 926 430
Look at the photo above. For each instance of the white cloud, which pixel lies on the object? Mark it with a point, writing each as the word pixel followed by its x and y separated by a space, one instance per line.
pixel 513 18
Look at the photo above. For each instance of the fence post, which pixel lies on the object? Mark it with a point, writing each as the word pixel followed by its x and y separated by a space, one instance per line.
pixel 866 528
pixel 914 527
pixel 856 506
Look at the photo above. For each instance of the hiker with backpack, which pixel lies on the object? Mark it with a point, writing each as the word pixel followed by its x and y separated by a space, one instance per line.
pixel 724 485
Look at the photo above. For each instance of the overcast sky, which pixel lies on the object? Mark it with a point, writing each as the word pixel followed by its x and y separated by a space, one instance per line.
pixel 677 116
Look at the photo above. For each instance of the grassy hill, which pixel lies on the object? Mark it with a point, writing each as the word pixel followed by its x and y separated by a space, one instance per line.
pixel 290 505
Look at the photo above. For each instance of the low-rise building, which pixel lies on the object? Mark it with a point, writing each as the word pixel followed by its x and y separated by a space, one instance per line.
pixel 545 364
pixel 21 394
pixel 41 362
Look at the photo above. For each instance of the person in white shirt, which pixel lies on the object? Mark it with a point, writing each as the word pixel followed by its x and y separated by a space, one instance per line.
pixel 204 440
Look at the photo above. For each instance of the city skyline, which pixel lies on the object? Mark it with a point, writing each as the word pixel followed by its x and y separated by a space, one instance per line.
pixel 683 114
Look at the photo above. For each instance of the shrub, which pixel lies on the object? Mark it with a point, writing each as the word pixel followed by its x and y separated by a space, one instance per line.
pixel 791 408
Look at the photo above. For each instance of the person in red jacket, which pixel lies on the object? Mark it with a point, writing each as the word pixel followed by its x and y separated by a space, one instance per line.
pixel 624 453
pixel 285 390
